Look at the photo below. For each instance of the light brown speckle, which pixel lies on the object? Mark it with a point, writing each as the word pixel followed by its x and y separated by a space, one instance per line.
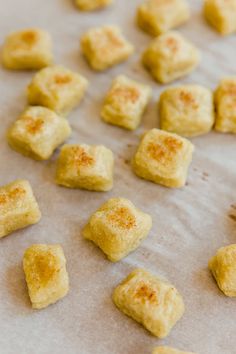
pixel 13 194
pixel 33 125
pixel 188 99
pixel 145 293
pixel 122 218
pixel 62 79
pixel 126 93
pixel 80 157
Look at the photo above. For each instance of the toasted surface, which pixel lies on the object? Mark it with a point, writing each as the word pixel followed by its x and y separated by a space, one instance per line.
pixel 38 132
pixel 163 158
pixel 221 15
pixel 117 227
pixel 169 350
pixel 57 88
pixel 154 303
pixel 223 268
pixel 187 110
pixel 90 5
pixel 225 101
pixel 18 207
pixel 27 49
pixel 85 166
pixel 125 103
pixel 157 17
pixel 105 46
pixel 170 56
pixel 45 273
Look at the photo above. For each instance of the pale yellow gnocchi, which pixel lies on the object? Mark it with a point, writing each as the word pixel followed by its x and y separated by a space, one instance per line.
pixel 187 110
pixel 18 207
pixel 86 167
pixel 45 274
pixel 28 49
pixel 118 228
pixel 225 101
pixel 57 88
pixel 125 103
pixel 223 268
pixel 38 132
pixel 221 14
pixel 170 57
pixel 159 16
pixel 105 46
pixel 154 303
pixel 90 5
pixel 163 158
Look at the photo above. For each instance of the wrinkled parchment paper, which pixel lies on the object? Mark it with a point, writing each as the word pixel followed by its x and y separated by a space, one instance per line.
pixel 189 225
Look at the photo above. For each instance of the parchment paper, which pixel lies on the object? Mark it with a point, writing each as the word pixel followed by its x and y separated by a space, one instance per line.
pixel 189 225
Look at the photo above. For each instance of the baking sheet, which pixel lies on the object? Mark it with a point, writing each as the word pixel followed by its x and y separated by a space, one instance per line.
pixel 189 225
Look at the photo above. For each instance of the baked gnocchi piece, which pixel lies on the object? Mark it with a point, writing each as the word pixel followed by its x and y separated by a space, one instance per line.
pixel 154 303
pixel 38 132
pixel 125 103
pixel 163 158
pixel 57 88
pixel 46 275
pixel 223 268
pixel 27 50
pixel 187 110
pixel 90 5
pixel 117 227
pixel 105 47
pixel 159 16
pixel 170 56
pixel 169 350
pixel 18 207
pixel 221 14
pixel 86 167
pixel 225 99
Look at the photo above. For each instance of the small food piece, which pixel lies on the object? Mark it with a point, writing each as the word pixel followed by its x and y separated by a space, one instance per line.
pixel 125 103
pixel 168 350
pixel 18 207
pixel 38 132
pixel 223 268
pixel 90 5
pixel 29 49
pixel 57 88
pixel 221 14
pixel 105 47
pixel 154 303
pixel 117 227
pixel 86 167
pixel 159 16
pixel 170 56
pixel 225 99
pixel 163 158
pixel 187 110
pixel 46 275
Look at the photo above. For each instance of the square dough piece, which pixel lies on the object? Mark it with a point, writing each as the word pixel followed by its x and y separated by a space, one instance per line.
pixel 221 14
pixel 28 49
pixel 117 227
pixel 169 350
pixel 125 103
pixel 223 268
pixel 46 275
pixel 90 5
pixel 38 132
pixel 163 158
pixel 86 167
pixel 57 88
pixel 170 57
pixel 187 110
pixel 18 207
pixel 159 16
pixel 105 47
pixel 154 303
pixel 225 100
